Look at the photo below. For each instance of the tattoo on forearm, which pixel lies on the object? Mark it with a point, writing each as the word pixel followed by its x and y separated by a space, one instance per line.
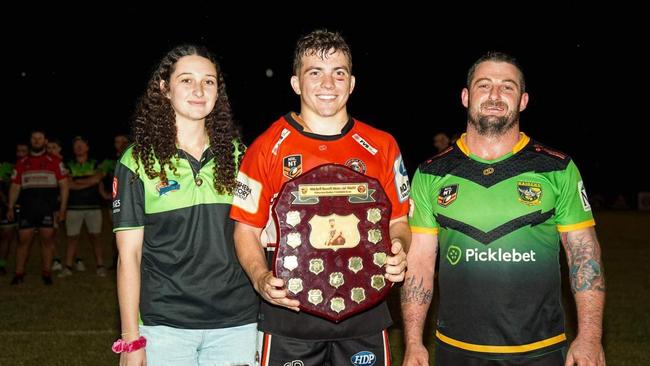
pixel 414 292
pixel 585 265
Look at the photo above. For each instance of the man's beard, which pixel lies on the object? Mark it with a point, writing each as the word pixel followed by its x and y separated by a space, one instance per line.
pixel 38 150
pixel 492 125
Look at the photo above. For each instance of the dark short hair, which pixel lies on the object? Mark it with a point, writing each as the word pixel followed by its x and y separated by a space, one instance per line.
pixel 496 56
pixel 80 138
pixel 320 42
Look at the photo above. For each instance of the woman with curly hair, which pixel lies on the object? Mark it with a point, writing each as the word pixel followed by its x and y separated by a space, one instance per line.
pixel 182 293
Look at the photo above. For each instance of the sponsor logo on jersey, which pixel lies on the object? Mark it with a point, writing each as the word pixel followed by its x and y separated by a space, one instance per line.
pixel 292 166
pixel 499 255
pixel 171 186
pixel 39 179
pixel 363 358
pixel 247 193
pixel 283 135
pixel 401 179
pixel 530 193
pixel 454 255
pixel 357 165
pixel 364 143
pixel 488 171
pixel 447 195
pixel 583 196
pixel 116 206
pixel 294 363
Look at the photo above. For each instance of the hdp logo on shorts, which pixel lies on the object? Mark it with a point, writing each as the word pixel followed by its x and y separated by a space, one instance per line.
pixel 294 363
pixel 454 254
pixel 171 186
pixel 363 358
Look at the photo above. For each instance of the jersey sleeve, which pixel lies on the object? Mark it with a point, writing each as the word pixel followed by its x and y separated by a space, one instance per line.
pixel 17 174
pixel 396 184
pixel 252 195
pixel 421 218
pixel 107 166
pixel 128 197
pixel 60 170
pixel 572 207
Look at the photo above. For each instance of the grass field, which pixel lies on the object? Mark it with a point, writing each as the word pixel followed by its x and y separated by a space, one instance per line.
pixel 75 321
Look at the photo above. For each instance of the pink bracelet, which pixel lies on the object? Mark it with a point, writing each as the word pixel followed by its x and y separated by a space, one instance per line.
pixel 120 345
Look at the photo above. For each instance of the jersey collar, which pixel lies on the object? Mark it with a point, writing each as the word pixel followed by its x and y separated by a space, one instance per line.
pixel 523 141
pixel 294 120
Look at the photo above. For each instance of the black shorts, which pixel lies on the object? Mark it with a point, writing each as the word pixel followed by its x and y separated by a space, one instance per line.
pixel 445 357
pixel 284 351
pixel 35 217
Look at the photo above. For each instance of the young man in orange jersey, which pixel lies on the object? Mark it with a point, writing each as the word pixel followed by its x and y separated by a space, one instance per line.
pixel 321 133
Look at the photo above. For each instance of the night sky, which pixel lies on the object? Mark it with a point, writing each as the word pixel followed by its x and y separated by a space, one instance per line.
pixel 83 75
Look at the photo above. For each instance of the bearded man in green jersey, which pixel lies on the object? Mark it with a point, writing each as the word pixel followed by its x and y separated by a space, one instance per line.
pixel 494 206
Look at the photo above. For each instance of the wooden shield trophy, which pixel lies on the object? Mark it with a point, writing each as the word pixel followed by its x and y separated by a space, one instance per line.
pixel 333 241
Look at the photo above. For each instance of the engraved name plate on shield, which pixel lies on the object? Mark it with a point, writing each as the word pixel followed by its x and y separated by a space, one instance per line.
pixel 332 224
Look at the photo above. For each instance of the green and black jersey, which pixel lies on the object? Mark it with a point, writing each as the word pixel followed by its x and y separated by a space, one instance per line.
pixel 190 276
pixel 498 225
pixel 86 198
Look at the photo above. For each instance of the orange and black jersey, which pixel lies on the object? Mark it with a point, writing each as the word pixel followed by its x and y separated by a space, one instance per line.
pixel 283 152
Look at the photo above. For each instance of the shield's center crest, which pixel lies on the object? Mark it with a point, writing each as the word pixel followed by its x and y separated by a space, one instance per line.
pixel 334 232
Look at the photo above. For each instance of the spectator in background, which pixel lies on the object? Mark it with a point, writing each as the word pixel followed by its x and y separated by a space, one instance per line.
pixel 84 205
pixel 121 142
pixel 54 148
pixel 441 141
pixel 7 228
pixel 37 179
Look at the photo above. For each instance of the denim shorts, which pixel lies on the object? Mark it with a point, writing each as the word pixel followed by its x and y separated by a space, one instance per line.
pixel 234 346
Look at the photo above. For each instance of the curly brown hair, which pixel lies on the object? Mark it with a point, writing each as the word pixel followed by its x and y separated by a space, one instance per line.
pixel 154 125
pixel 320 42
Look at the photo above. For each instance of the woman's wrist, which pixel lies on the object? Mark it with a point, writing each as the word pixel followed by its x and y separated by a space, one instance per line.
pixel 130 336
